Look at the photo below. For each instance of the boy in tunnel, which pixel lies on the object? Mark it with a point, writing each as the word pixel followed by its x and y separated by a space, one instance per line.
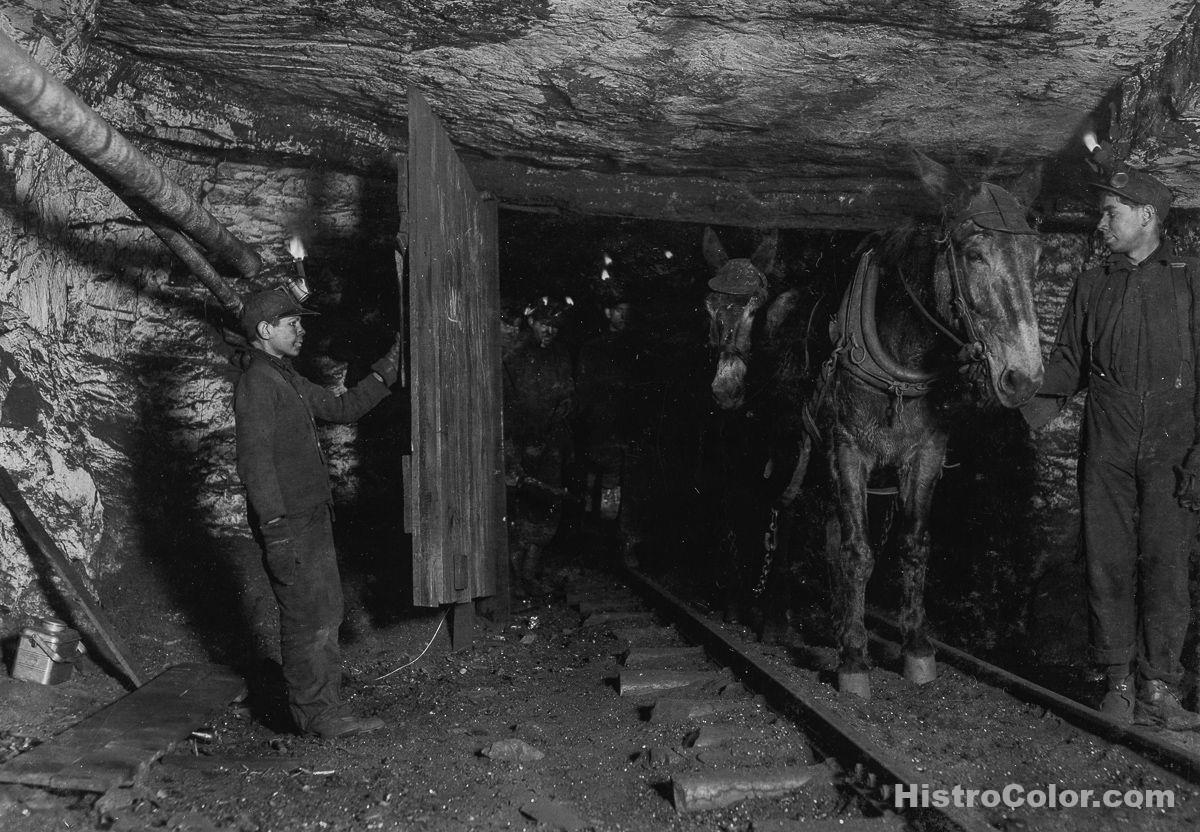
pixel 282 465
pixel 1128 337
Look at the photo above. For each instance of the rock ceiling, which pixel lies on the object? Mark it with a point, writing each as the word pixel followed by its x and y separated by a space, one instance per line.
pixel 768 112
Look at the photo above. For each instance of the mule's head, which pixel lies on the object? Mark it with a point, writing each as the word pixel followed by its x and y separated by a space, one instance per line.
pixel 993 255
pixel 739 291
pixel 731 320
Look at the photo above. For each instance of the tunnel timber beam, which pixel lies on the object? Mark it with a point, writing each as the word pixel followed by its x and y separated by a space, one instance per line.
pixel 37 97
pixel 98 630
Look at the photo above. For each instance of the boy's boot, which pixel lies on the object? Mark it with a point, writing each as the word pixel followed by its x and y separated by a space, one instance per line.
pixel 1160 705
pixel 1118 700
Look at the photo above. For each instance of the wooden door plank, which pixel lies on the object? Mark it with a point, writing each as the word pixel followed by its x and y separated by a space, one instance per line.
pixel 113 746
pixel 456 470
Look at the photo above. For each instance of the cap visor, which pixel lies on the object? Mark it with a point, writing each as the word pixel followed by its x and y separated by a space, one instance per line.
pixel 1100 186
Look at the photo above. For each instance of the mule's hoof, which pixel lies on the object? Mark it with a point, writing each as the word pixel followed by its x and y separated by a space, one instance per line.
pixel 856 682
pixel 920 670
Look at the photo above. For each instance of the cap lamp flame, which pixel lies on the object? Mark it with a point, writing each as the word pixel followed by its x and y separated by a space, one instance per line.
pixel 604 275
pixel 1090 142
pixel 297 287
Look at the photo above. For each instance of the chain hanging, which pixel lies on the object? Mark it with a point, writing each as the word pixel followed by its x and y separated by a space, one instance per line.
pixel 889 516
pixel 770 544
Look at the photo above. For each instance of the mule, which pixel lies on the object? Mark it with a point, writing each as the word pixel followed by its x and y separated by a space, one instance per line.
pixel 933 309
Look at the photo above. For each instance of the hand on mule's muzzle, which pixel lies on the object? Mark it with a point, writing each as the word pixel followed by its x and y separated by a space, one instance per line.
pixel 975 375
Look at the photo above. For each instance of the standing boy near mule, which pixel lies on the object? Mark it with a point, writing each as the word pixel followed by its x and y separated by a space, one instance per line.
pixel 280 461
pixel 1128 337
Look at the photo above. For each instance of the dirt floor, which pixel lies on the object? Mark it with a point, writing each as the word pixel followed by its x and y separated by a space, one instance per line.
pixel 587 757
pixel 442 762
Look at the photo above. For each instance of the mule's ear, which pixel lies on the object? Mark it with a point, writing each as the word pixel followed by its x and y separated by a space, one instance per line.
pixel 938 180
pixel 763 257
pixel 779 310
pixel 714 252
pixel 1028 185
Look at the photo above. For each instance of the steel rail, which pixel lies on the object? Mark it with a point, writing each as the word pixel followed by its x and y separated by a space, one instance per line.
pixel 827 730
pixel 1144 743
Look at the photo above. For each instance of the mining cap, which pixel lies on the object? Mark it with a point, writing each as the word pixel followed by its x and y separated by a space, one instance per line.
pixel 1139 188
pixel 995 209
pixel 269 305
pixel 738 277
pixel 548 310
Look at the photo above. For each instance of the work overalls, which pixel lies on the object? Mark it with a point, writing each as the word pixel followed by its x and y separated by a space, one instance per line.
pixel 1139 423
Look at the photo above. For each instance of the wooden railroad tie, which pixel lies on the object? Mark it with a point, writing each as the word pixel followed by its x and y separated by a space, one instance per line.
pixel 649 657
pixel 713 789
pixel 641 682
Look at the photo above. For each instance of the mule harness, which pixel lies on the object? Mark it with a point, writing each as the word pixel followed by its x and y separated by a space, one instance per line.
pixel 857 348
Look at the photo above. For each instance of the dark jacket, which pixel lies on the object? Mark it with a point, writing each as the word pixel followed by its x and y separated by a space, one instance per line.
pixel 1129 324
pixel 539 391
pixel 279 458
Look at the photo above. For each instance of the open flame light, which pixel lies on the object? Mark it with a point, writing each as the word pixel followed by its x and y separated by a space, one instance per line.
pixel 298 285
pixel 1089 141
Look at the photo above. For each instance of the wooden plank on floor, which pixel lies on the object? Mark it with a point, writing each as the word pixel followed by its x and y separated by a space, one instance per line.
pixel 113 746
pixel 662 657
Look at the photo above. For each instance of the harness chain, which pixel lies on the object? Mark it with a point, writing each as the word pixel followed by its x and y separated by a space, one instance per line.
pixel 770 544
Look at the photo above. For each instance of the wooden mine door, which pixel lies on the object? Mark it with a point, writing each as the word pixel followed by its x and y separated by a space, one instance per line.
pixel 454 488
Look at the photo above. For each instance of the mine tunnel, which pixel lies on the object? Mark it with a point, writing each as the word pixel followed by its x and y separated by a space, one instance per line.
pixel 426 177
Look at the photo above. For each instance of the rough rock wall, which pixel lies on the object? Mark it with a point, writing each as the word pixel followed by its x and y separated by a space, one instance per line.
pixel 115 411
pixel 43 380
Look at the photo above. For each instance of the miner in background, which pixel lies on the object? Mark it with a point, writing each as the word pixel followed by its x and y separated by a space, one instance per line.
pixel 609 380
pixel 1128 337
pixel 280 461
pixel 539 391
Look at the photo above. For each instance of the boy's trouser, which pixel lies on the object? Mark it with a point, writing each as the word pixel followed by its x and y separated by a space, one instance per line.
pixel 308 589
pixel 1137 537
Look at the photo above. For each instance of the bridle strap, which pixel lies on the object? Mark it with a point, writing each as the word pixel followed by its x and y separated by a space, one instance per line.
pixel 938 325
pixel 973 348
pixel 958 301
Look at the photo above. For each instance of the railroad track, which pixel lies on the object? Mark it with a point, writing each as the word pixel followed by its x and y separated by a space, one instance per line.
pixel 696 728
pixel 866 765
